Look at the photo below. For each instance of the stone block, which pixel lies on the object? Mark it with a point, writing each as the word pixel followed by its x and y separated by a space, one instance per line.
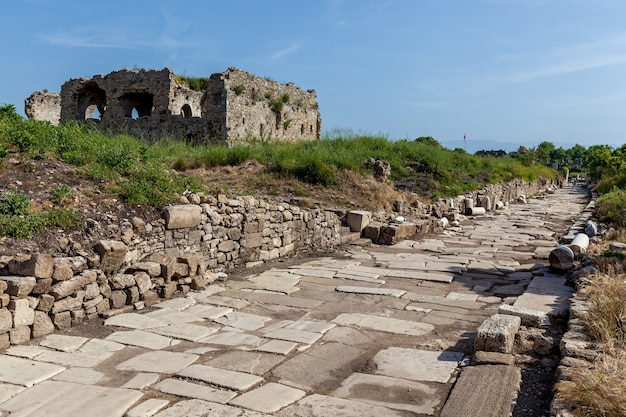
pixel 226 246
pixel 46 301
pixel 118 299
pixel 23 315
pixel 357 220
pixel 4 300
pixel 62 320
pixel 112 254
pixel 19 287
pixel 91 304
pixel 167 290
pixel 103 306
pixel 43 286
pixel 529 317
pixel 144 283
pixel 150 298
pixel 6 320
pixel 77 263
pixel 62 272
pixel 42 325
pixel 5 340
pixel 105 290
pixel 92 291
pixel 38 266
pixel 122 281
pixel 20 335
pixel 151 268
pixel 182 216
pixel 66 288
pixel 395 233
pixel 66 304
pixel 195 262
pixel 3 286
pixel 372 231
pixel 78 316
pixel 497 333
pixel 132 295
pixel 252 240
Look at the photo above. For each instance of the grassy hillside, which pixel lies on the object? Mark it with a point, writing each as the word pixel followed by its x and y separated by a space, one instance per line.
pixel 145 173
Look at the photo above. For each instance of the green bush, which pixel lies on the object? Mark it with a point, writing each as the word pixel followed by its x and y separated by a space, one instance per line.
pixel 611 207
pixel 316 172
pixel 61 193
pixel 14 204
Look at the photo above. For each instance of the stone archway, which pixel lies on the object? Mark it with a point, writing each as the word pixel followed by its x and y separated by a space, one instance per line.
pixel 137 105
pixel 186 112
pixel 90 98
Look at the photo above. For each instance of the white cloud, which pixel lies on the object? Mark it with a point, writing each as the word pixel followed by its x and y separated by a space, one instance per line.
pixel 609 51
pixel 294 47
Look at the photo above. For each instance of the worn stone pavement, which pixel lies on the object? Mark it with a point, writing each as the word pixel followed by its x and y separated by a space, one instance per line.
pixel 374 331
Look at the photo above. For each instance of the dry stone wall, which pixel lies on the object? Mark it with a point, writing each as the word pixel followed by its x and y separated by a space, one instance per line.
pixel 187 249
pixel 183 251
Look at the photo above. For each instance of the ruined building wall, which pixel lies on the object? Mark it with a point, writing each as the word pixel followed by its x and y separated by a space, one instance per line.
pixel 236 106
pixel 42 105
pixel 264 109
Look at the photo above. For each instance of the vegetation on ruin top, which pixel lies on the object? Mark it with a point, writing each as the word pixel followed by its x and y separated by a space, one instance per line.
pixel 194 83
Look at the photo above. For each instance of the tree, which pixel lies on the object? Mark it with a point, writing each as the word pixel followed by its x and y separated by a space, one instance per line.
pixel 543 151
pixel 599 161
pixel 558 155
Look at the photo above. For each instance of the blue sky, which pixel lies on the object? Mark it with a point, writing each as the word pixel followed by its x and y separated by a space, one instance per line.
pixel 514 72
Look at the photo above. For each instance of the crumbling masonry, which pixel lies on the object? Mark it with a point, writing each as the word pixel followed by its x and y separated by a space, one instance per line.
pixel 235 106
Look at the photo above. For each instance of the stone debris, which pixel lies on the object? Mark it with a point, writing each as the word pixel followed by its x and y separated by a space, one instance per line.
pixel 497 333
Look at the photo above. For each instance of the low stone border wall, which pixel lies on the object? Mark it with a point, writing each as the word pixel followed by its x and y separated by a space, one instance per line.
pixel 183 251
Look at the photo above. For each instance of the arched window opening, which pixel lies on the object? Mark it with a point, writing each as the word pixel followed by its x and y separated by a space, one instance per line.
pixel 185 111
pixel 90 98
pixel 137 105
pixel 93 112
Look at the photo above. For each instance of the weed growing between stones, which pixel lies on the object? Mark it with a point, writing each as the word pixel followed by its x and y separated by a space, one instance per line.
pixel 598 391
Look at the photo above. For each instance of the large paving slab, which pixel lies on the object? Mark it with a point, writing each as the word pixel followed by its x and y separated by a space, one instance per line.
pixel 143 339
pixel 19 371
pixel 242 321
pixel 317 365
pixel 251 362
pixel 394 393
pixel 383 324
pixel 134 321
pixel 322 405
pixel 188 389
pixel 200 408
pixel 268 398
pixel 66 399
pixel 483 391
pixel 159 361
pixel 416 364
pixel 185 331
pixel 238 381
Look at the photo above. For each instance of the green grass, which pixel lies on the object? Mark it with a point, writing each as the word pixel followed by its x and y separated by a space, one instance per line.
pixel 17 220
pixel 154 173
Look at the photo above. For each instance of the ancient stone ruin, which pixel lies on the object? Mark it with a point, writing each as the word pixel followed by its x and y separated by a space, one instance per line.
pixel 234 107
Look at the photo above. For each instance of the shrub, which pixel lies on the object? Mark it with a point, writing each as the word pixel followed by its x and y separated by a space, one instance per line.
pixel 611 207
pixel 239 88
pixel 61 194
pixel 316 172
pixel 14 204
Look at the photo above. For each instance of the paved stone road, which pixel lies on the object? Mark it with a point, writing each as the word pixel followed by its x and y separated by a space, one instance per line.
pixel 378 331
